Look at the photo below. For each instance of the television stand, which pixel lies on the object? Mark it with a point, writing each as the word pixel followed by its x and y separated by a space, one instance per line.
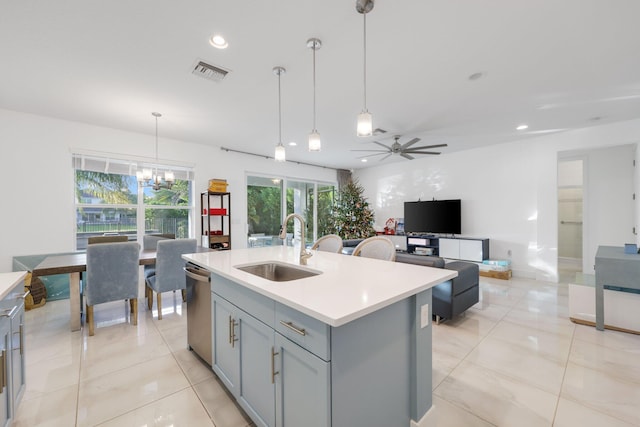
pixel 462 248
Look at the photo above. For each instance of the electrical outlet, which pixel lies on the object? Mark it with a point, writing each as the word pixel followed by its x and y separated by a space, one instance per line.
pixel 424 316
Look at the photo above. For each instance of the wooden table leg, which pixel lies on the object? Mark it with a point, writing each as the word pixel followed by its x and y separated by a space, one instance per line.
pixel 74 301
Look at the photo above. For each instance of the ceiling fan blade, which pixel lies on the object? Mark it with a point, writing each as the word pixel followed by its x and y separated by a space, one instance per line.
pixel 385 157
pixel 426 147
pixel 410 143
pixel 377 151
pixel 423 152
pixel 382 145
pixel 406 156
pixel 370 155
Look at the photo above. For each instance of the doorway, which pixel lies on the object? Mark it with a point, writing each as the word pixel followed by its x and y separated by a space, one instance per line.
pixel 570 218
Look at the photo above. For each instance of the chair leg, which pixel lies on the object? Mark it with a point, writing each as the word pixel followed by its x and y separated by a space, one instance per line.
pixel 184 295
pixel 149 292
pixel 159 294
pixel 90 319
pixel 134 310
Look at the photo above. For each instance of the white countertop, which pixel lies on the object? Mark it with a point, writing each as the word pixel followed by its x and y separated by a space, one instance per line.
pixel 348 288
pixel 9 280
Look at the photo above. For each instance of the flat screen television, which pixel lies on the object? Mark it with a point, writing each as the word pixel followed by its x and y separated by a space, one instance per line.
pixel 436 216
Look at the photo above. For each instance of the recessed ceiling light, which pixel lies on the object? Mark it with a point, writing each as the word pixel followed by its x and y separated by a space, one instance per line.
pixel 293 144
pixel 522 127
pixel 364 160
pixel 218 41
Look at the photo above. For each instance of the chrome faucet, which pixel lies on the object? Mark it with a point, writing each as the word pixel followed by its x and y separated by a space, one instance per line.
pixel 304 254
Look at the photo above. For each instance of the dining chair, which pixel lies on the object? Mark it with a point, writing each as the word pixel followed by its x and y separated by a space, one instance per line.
pixel 169 274
pixel 112 275
pixel 378 247
pixel 150 243
pixel 328 243
pixel 107 239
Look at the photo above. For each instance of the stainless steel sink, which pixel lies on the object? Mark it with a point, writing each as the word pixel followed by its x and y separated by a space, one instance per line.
pixel 278 271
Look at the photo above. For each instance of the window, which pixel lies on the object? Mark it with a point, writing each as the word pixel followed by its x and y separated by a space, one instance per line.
pixel 110 200
pixel 270 199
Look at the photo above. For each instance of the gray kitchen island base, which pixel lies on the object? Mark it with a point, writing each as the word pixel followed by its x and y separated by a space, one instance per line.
pixel 381 367
pixel 286 368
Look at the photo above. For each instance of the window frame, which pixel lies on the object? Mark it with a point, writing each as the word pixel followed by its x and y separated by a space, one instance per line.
pixel 125 165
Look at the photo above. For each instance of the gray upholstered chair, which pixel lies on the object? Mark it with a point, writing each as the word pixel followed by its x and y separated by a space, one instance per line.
pixel 150 243
pixel 378 247
pixel 112 275
pixel 328 243
pixel 108 239
pixel 169 275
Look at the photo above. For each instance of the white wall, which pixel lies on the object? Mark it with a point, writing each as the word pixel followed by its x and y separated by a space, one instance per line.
pixel 38 195
pixel 508 191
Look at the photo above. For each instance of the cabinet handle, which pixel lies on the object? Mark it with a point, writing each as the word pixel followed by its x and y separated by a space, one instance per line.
pixel 3 370
pixel 21 339
pixel 273 365
pixel 26 294
pixel 289 325
pixel 232 331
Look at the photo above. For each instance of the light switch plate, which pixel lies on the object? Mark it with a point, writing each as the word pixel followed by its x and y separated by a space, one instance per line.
pixel 424 316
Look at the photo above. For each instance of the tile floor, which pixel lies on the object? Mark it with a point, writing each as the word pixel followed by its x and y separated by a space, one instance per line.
pixel 514 359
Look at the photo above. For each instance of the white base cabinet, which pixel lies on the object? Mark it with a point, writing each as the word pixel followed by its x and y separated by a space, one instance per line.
pixel 476 250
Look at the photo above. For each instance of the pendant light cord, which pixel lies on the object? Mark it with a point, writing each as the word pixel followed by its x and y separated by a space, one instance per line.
pixel 279 110
pixel 365 60
pixel 314 85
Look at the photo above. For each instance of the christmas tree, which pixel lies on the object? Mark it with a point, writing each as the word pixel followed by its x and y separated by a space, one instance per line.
pixel 352 218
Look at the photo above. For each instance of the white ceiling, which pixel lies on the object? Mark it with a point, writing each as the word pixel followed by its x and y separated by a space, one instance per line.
pixel 553 64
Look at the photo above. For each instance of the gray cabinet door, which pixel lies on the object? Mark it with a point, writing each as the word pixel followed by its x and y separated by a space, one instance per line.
pixel 257 388
pixel 226 359
pixel 17 353
pixel 5 372
pixel 302 387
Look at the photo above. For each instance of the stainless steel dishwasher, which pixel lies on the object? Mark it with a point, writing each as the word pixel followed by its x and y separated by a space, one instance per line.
pixel 199 311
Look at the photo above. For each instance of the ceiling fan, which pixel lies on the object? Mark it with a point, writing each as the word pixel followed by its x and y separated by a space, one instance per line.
pixel 405 150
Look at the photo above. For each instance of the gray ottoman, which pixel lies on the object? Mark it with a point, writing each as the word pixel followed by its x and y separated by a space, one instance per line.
pixel 455 296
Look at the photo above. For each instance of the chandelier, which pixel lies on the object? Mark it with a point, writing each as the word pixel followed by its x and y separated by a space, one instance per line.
pixel 150 178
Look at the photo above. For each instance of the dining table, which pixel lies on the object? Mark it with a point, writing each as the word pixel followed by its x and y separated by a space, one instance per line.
pixel 74 264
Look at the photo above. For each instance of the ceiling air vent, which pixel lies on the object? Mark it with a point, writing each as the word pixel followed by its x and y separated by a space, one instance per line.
pixel 209 72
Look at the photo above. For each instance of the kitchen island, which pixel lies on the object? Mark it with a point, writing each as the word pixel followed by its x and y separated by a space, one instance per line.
pixel 350 345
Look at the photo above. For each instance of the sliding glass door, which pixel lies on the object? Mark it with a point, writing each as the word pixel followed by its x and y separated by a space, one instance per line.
pixel 270 199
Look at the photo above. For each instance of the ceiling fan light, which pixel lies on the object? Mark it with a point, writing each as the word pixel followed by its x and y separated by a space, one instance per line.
pixel 314 141
pixel 280 154
pixel 365 124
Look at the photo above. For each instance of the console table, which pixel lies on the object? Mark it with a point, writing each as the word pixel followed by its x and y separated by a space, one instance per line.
pixel 462 248
pixel 614 269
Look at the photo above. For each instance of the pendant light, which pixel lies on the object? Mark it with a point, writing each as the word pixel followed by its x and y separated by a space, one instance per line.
pixel 314 137
pixel 280 154
pixel 149 178
pixel 365 124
